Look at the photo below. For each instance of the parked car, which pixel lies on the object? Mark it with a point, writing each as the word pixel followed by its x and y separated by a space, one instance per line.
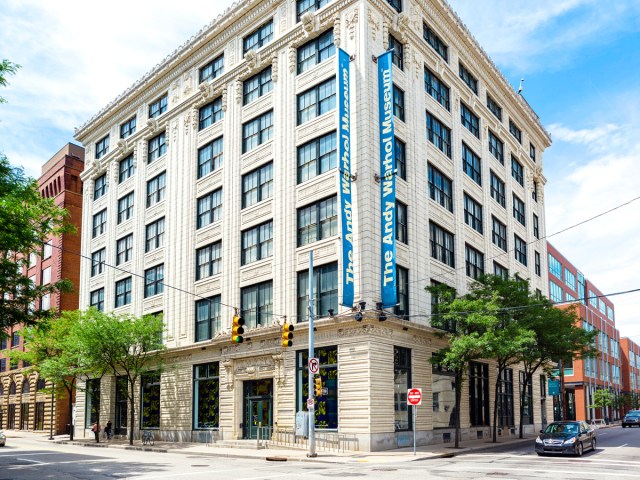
pixel 3 438
pixel 566 438
pixel 631 419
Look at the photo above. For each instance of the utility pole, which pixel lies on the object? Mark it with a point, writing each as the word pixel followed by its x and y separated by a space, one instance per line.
pixel 311 408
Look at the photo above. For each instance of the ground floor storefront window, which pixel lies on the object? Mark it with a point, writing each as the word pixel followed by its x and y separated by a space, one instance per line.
pixel 443 383
pixel 479 394
pixel 326 405
pixel 206 395
pixel 92 403
pixel 39 416
pixel 150 395
pixel 401 383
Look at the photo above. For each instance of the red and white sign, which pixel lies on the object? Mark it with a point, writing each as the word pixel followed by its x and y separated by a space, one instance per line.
pixel 314 365
pixel 414 396
pixel 311 403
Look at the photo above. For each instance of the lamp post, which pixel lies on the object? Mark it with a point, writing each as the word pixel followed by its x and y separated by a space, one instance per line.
pixel 53 388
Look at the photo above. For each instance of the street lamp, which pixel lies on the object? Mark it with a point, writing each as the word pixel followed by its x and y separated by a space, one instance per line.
pixel 53 388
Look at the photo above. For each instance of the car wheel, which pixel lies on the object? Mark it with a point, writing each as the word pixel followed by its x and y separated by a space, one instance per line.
pixel 593 444
pixel 540 454
pixel 624 426
pixel 579 449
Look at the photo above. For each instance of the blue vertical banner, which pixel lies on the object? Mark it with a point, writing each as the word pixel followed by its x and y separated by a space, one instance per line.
pixel 387 179
pixel 344 159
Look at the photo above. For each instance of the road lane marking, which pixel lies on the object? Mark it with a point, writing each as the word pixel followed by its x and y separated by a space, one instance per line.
pixel 29 460
pixel 31 454
pixel 623 445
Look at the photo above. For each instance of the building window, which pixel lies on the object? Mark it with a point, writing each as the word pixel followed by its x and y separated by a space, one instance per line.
pixel 125 168
pixel 46 276
pixel 316 51
pixel 402 229
pixel 474 262
pixel 157 147
pixel 555 267
pixel 499 233
pixel 526 394
pixel 124 249
pixel 518 210
pixel 209 209
pixel 397 49
pixel 496 147
pixel 401 384
pixel 211 70
pixel 517 170
pixel 505 398
pixel 532 152
pixel 436 88
pixel 401 160
pixel 125 208
pixel 128 128
pixel 92 404
pixel 471 164
pixel 396 4
pixel 469 120
pixel 440 188
pixel 570 279
pixel 304 6
pixel 256 86
pixel 210 114
pixel 257 243
pixel 498 190
pixel 317 221
pixel 536 227
pixel 97 262
pixel 257 185
pixel 317 157
pixel 520 250
pixel 99 223
pixel 206 395
pixel 468 78
pixel 442 245
pixel 210 157
pixel 316 101
pixel 439 135
pixel 555 292
pixel 150 399
pixel 493 106
pixel 102 147
pixel 257 304
pixel 534 191
pixel 515 131
pixel 123 292
pixel 39 416
pixel 100 186
pixel 47 250
pixel 154 281
pixel 258 38
pixel 325 291
pixel 208 260
pixel 473 214
pixel 500 271
pixel 155 189
pixel 398 103
pixel 326 411
pixel 207 318
pixel 158 107
pixel 257 131
pixel 96 299
pixel 154 235
pixel 479 394
pixel 402 293
pixel 538 267
pixel 436 43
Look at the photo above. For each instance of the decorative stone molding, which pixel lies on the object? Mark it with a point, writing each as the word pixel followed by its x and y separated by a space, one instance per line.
pixel 308 21
pixel 174 132
pixel 186 84
pixel 336 31
pixel 372 20
pixel 352 23
pixel 228 371
pixel 274 68
pixel 385 34
pixel 278 362
pixel 293 58
pixel 152 125
pixel 175 88
pixel 224 100
pixel 400 24
pixel 239 92
pixel 252 59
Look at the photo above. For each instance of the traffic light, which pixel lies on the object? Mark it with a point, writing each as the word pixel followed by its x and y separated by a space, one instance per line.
pixel 237 329
pixel 287 334
pixel 317 380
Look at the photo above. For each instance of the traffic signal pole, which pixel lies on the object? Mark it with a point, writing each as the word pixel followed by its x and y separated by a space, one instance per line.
pixel 311 408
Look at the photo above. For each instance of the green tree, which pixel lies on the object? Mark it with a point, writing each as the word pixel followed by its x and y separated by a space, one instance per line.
pixel 466 324
pixel 28 220
pixel 126 345
pixel 6 68
pixel 602 398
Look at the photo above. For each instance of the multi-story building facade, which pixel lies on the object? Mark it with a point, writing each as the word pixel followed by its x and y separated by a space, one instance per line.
pixel 22 404
pixel 212 178
pixel 596 312
pixel 630 352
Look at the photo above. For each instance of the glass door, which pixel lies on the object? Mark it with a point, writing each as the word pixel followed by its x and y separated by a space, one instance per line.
pixel 258 407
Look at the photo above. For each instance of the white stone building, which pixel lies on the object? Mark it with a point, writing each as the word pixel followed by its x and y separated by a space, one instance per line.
pixel 217 173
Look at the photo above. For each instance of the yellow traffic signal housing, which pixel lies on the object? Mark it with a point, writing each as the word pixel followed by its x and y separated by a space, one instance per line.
pixel 287 335
pixel 237 329
pixel 317 380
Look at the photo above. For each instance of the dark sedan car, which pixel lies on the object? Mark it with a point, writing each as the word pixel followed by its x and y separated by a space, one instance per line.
pixel 631 419
pixel 566 438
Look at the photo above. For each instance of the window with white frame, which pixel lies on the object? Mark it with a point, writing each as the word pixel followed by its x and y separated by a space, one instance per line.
pixel 209 208
pixel 257 185
pixel 208 260
pixel 211 70
pixel 257 243
pixel 209 114
pixel 210 157
pixel 159 106
pixel 316 101
pixel 316 51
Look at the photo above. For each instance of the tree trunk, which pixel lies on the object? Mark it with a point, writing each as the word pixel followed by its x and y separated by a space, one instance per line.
pixel 71 425
pixel 495 409
pixel 457 406
pixel 132 410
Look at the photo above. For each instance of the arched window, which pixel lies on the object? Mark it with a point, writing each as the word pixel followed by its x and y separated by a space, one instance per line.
pixel 26 386
pixel 12 388
pixel 1 391
pixel 42 383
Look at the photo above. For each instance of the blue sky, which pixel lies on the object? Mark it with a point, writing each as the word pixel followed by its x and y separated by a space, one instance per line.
pixel 580 60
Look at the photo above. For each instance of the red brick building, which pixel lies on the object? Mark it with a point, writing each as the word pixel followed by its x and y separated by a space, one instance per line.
pixel 22 404
pixel 630 374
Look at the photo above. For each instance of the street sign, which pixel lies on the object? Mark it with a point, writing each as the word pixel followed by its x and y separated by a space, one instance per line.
pixel 314 365
pixel 310 403
pixel 414 396
pixel 553 387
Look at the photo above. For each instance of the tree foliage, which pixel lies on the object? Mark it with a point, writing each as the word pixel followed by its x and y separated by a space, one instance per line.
pixel 6 68
pixel 28 220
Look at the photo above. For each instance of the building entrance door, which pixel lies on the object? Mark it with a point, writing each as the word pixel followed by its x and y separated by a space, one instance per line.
pixel 258 407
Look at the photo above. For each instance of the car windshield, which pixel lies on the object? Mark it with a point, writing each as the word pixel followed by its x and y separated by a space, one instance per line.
pixel 633 414
pixel 561 428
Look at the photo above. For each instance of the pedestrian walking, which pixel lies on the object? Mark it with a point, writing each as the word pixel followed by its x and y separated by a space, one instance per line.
pixel 96 431
pixel 107 430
